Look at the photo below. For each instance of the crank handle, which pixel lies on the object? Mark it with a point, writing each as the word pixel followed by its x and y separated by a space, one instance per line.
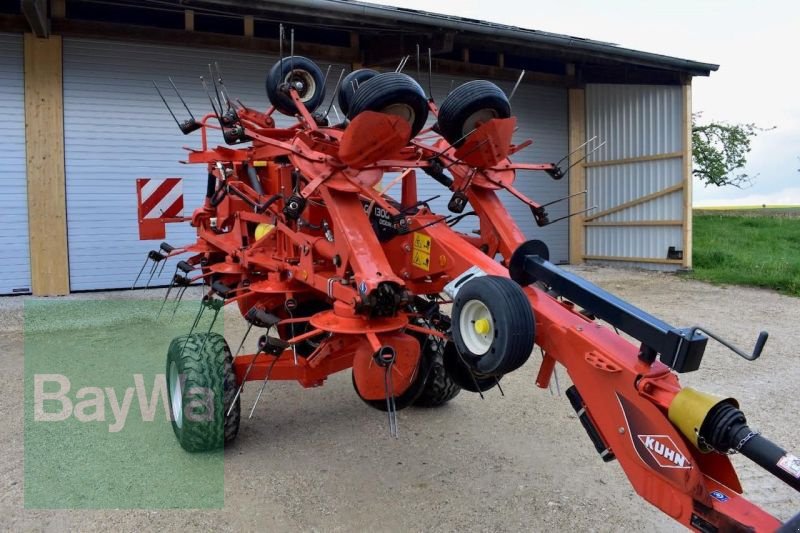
pixel 757 349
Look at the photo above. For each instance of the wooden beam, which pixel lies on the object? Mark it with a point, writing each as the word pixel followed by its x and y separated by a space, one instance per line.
pixel 58 9
pixel 35 12
pixel 687 174
pixel 633 259
pixel 577 175
pixel 633 223
pixel 637 201
pixel 465 55
pixel 46 178
pixel 501 59
pixel 629 160
pixel 188 20
pixel 449 66
pixel 129 32
pixel 249 26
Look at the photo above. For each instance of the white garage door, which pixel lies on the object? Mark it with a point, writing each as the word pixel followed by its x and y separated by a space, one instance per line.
pixel 542 117
pixel 15 276
pixel 117 130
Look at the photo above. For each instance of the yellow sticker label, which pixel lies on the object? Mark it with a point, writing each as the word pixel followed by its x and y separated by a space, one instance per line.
pixel 422 242
pixel 421 259
pixel 259 163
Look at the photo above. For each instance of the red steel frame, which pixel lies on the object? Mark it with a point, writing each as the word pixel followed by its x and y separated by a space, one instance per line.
pixel 625 397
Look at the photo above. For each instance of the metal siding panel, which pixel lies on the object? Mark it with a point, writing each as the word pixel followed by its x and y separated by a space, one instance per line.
pixel 16 273
pixel 541 116
pixel 107 84
pixel 635 121
pixel 117 130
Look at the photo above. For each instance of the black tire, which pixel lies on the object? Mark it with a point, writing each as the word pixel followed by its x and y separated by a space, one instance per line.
pixel 414 389
pixel 468 106
pixel 350 83
pixel 306 73
pixel 460 374
pixel 393 93
pixel 439 387
pixel 201 363
pixel 509 324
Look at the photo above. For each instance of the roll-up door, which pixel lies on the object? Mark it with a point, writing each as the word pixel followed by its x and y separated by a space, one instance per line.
pixel 117 129
pixel 542 117
pixel 15 276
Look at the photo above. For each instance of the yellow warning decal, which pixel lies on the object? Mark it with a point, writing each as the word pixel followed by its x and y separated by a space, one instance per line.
pixel 421 259
pixel 259 163
pixel 422 242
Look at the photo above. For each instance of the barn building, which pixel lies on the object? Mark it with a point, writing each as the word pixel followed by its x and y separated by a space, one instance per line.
pixel 82 122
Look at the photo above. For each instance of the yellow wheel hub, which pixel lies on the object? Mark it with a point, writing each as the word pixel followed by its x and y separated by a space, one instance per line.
pixel 482 326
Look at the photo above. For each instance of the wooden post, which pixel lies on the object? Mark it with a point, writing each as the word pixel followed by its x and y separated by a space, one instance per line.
pixel 501 59
pixel 249 26
pixel 355 46
pixel 188 20
pixel 465 55
pixel 577 174
pixel 687 174
pixel 46 180
pixel 58 9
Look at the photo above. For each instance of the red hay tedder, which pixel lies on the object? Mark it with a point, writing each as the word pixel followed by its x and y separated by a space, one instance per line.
pixel 338 273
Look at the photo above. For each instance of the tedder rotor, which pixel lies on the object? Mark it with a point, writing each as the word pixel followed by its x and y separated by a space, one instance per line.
pixel 301 229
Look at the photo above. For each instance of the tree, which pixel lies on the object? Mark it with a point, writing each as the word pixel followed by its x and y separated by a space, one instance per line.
pixel 720 149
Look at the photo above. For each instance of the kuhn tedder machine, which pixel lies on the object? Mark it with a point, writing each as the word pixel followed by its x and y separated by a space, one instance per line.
pixel 340 273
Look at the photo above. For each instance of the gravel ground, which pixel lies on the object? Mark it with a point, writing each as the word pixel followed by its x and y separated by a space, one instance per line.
pixel 321 460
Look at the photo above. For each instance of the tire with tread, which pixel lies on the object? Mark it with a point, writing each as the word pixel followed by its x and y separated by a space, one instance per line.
pixel 512 329
pixel 204 362
pixel 477 98
pixel 392 89
pixel 350 84
pixel 307 71
pixel 439 387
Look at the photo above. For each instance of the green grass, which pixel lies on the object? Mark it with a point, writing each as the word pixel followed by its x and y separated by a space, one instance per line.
pixel 756 247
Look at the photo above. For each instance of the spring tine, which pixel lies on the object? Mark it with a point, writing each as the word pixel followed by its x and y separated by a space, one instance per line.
pixel 178 298
pixel 497 382
pixel 210 327
pixel 191 330
pixel 338 118
pixel 246 333
pixel 555 376
pixel 335 93
pixel 166 104
pixel 430 75
pixel 327 73
pixel 153 270
pixel 146 259
pixel 211 100
pixel 263 386
pixel 418 64
pixel 169 289
pixel 181 98
pixel 575 150
pixel 162 266
pixel 516 85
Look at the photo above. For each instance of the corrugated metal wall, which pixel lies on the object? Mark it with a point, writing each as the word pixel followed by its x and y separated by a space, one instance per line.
pixel 541 116
pixel 116 130
pixel 635 121
pixel 15 276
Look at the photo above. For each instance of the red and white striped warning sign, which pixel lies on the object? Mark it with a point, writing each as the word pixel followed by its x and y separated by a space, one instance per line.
pixel 159 198
pixel 158 202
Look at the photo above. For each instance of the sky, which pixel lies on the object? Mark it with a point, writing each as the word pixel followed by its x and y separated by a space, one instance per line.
pixel 756 45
